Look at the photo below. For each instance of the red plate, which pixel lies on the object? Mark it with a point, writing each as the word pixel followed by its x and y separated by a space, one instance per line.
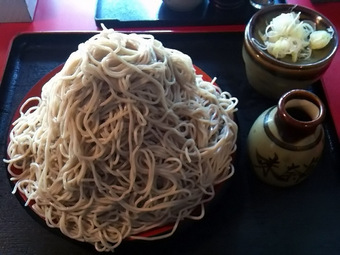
pixel 35 91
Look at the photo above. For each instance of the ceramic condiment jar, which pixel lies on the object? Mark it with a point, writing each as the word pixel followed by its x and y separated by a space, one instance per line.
pixel 273 77
pixel 287 140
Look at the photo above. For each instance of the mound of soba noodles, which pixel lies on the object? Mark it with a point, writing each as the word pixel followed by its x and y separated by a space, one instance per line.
pixel 124 139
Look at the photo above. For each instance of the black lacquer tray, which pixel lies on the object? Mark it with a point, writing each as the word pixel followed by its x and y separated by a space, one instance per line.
pixel 246 217
pixel 154 13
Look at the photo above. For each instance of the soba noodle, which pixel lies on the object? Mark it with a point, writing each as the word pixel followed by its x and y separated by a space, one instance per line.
pixel 125 138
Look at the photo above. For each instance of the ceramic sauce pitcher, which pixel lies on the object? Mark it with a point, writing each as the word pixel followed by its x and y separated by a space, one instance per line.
pixel 287 140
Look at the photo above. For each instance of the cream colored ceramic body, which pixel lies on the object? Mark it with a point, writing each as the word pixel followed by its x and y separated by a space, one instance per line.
pixel 275 159
pixel 273 82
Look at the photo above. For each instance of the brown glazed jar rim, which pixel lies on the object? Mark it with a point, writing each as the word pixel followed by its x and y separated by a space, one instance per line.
pixel 251 41
pixel 301 94
pixel 285 69
pixel 288 72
